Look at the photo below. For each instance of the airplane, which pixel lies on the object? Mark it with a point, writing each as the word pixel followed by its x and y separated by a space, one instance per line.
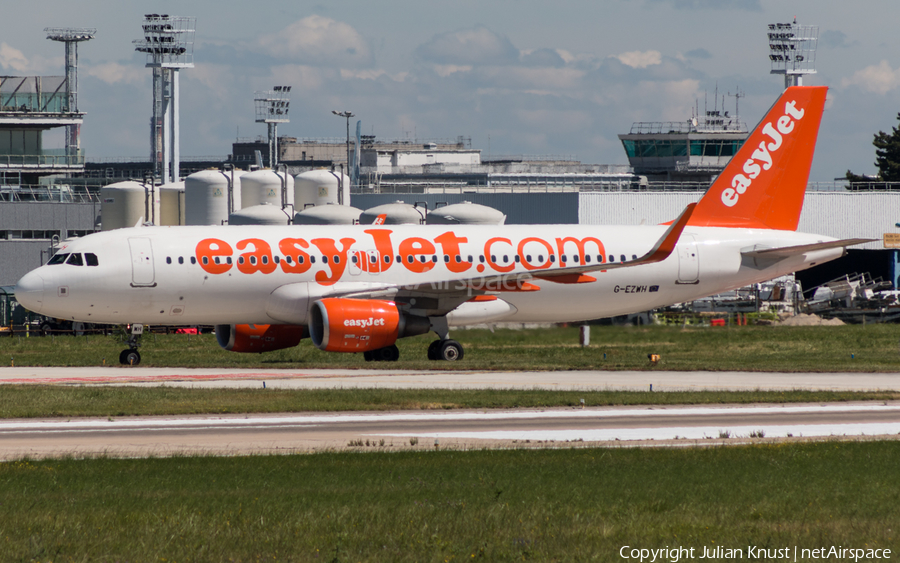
pixel 360 288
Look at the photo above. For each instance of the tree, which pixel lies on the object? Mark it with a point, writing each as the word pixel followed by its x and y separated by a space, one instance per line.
pixel 887 158
pixel 887 154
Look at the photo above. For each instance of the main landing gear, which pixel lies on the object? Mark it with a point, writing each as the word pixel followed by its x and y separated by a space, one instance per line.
pixel 387 354
pixel 444 348
pixel 449 350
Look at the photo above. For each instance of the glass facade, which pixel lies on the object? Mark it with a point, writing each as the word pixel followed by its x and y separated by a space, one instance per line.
pixel 661 148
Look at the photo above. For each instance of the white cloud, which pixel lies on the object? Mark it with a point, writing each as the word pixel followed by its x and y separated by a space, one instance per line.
pixel 478 46
pixel 113 73
pixel 878 79
pixel 640 59
pixel 320 41
pixel 14 59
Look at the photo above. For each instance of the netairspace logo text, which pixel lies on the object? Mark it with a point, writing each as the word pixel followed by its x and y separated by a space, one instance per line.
pixel 752 552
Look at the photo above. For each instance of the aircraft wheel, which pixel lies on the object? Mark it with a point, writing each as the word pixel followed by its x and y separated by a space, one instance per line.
pixel 46 329
pixel 368 355
pixel 130 357
pixel 388 353
pixel 434 350
pixel 450 350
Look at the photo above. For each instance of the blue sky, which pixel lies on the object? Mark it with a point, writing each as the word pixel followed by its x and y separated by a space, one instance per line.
pixel 517 76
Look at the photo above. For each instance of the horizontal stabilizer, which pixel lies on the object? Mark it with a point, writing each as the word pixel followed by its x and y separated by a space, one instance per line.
pixel 788 251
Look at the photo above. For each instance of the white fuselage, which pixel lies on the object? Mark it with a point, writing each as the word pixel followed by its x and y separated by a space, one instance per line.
pixel 169 275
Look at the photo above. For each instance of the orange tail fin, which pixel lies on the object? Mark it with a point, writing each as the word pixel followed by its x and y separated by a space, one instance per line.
pixel 764 183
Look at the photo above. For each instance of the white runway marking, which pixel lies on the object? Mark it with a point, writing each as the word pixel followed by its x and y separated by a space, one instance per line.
pixel 312 419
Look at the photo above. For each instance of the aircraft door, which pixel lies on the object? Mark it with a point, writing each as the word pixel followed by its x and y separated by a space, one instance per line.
pixel 365 261
pixel 688 260
pixel 142 271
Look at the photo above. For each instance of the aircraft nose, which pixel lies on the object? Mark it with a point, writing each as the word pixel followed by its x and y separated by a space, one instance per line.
pixel 30 291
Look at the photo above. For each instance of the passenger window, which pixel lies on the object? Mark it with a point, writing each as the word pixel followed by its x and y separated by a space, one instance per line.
pixel 446 259
pixel 75 260
pixel 612 258
pixel 337 259
pixel 228 260
pixel 587 259
pixel 168 259
pixel 634 256
pixel 354 259
pixel 623 258
pixel 552 259
pixel 91 259
pixel 387 259
pixel 277 259
pixel 564 258
pixel 180 260
pixel 434 259
pixel 193 259
pixel 58 259
pixel 216 259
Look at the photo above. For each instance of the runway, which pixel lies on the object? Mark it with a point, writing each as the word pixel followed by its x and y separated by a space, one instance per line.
pixel 428 430
pixel 457 430
pixel 453 379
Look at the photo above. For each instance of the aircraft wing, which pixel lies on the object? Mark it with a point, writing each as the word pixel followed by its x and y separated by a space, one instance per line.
pixel 439 298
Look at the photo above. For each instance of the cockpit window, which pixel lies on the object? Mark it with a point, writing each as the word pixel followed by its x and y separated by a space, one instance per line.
pixel 75 260
pixel 58 259
pixel 91 259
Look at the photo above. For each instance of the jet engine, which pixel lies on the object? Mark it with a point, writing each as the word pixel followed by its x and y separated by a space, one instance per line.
pixel 259 338
pixel 360 325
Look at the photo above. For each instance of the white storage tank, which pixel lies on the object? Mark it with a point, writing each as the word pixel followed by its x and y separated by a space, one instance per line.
pixel 320 187
pixel 264 187
pixel 264 214
pixel 397 213
pixel 206 197
pixel 122 204
pixel 465 213
pixel 328 215
pixel 171 204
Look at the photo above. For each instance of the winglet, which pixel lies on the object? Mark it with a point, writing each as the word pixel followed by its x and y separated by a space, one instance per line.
pixel 764 182
pixel 666 244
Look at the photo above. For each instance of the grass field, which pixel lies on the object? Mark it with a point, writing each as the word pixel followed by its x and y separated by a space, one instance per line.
pixel 550 505
pixel 754 348
pixel 44 401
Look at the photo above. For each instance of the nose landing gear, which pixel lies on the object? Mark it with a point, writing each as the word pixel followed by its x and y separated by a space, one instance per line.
pixel 131 356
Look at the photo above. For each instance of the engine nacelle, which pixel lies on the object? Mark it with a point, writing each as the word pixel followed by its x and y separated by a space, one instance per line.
pixel 259 338
pixel 360 325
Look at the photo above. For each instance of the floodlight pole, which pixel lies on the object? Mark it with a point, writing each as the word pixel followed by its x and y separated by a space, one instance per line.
pixel 347 115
